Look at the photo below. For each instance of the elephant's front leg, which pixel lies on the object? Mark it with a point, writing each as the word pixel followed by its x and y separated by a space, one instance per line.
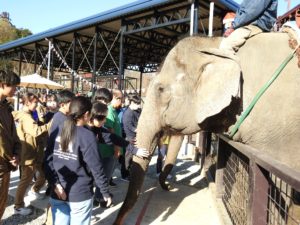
pixel 173 149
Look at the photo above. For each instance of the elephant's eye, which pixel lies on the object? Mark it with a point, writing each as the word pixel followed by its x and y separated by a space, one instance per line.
pixel 160 87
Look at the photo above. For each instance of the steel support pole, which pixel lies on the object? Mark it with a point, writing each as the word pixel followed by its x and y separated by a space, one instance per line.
pixel 20 71
pixel 192 19
pixel 196 10
pixel 73 62
pixel 141 80
pixel 49 60
pixel 211 19
pixel 20 61
pixel 121 58
pixel 95 60
pixel 35 56
pixel 52 62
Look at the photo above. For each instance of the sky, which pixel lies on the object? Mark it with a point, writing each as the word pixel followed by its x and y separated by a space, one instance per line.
pixel 41 15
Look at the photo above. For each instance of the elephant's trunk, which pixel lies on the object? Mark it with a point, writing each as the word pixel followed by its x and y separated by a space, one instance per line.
pixel 147 136
pixel 137 174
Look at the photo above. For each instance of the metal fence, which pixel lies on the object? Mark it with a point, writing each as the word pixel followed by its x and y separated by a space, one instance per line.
pixel 254 188
pixel 236 188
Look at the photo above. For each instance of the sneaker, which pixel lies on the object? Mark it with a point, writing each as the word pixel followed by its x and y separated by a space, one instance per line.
pixel 126 179
pixel 103 204
pixel 23 211
pixel 96 202
pixel 112 184
pixel 35 195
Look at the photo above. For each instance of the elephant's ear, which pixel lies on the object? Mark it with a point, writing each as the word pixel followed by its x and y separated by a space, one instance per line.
pixel 219 82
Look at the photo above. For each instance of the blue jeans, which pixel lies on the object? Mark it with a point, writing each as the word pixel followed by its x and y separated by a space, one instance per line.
pixel 108 169
pixel 71 213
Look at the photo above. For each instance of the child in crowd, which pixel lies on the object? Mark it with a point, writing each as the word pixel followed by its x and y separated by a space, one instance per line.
pixel 10 145
pixel 63 99
pixel 97 120
pixel 109 153
pixel 33 138
pixel 41 109
pixel 104 136
pixel 130 121
pixel 52 107
pixel 74 164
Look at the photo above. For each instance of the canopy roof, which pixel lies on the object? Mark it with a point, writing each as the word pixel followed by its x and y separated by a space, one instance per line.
pixel 147 29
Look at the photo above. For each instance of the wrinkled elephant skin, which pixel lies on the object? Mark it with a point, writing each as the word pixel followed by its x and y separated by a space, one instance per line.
pixel 203 89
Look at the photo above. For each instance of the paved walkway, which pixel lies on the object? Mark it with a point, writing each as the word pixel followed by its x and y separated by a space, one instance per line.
pixel 190 202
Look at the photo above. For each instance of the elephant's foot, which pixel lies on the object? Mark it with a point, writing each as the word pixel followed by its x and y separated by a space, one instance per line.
pixel 163 184
pixel 163 176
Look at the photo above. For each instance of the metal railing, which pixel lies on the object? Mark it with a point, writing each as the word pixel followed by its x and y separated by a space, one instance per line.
pixel 255 188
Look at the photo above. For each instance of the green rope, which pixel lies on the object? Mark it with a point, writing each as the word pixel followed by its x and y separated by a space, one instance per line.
pixel 259 94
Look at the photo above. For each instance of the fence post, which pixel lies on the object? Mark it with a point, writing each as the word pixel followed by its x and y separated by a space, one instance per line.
pixel 221 163
pixel 258 201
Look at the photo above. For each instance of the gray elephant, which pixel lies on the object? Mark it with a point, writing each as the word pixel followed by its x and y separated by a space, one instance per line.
pixel 204 89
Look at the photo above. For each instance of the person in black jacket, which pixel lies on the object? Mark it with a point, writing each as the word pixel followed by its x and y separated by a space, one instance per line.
pixel 104 136
pixel 131 117
pixel 76 165
pixel 130 121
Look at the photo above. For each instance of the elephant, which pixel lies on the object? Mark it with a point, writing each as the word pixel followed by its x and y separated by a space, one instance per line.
pixel 201 88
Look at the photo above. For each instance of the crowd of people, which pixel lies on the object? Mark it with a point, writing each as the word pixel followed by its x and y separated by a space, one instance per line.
pixel 71 143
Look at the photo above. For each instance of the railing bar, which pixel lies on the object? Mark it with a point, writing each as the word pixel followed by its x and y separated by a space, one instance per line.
pixel 287 174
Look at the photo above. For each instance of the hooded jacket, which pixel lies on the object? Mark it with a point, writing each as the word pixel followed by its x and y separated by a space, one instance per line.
pixel 9 142
pixel 33 138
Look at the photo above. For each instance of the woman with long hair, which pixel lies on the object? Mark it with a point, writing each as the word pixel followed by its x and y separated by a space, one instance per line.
pixel 76 164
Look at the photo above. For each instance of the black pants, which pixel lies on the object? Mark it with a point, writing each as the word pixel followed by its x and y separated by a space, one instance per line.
pixel 124 170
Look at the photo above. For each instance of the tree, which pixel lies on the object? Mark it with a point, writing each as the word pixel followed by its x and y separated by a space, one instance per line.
pixel 21 32
pixel 8 32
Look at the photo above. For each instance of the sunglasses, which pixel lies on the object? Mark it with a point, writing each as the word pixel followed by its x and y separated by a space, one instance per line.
pixel 99 117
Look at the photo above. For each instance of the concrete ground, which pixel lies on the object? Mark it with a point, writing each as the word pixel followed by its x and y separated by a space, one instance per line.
pixel 189 202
